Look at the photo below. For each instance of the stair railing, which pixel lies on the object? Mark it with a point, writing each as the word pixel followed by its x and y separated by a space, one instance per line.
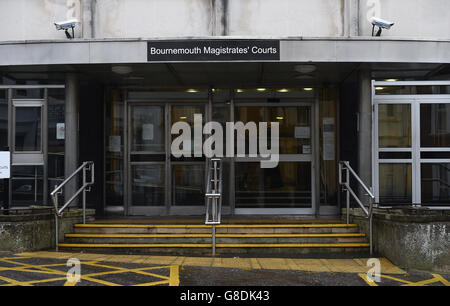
pixel 345 166
pixel 85 187
pixel 213 197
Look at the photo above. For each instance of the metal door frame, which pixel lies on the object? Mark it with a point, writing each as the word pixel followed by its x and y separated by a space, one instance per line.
pixel 415 101
pixel 167 208
pixel 30 158
pixel 285 158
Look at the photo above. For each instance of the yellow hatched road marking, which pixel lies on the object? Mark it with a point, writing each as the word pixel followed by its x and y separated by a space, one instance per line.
pixel 173 277
pixel 367 280
pixel 436 278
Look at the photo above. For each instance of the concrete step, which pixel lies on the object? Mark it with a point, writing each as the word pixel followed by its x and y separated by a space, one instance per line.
pixel 220 229
pixel 249 239
pixel 257 250
pixel 220 238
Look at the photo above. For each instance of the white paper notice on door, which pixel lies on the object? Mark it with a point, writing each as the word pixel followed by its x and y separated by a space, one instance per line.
pixel 328 139
pixel 114 143
pixel 302 132
pixel 147 131
pixel 60 131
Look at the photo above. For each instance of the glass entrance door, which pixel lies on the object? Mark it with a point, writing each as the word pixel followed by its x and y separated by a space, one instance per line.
pixel 287 188
pixel 29 145
pixel 159 183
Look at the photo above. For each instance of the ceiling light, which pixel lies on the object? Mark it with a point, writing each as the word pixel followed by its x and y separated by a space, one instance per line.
pixel 261 89
pixel 121 69
pixel 191 90
pixel 391 80
pixel 280 118
pixel 304 69
pixel 379 88
pixel 308 89
pixel 283 90
pixel 183 117
pixel 239 90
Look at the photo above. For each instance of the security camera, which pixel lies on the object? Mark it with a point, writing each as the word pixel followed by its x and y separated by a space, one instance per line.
pixel 66 25
pixel 381 24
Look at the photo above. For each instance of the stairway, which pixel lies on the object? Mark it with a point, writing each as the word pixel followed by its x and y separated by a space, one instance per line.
pixel 234 238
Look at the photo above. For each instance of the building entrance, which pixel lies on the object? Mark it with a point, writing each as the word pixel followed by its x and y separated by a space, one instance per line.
pixel 159 183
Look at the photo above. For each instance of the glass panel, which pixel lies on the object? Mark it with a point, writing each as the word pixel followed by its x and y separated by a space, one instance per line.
pixel 147 129
pixel 328 147
pixel 221 114
pixel 186 114
pixel 394 125
pixel 56 137
pixel 188 185
pixel 413 90
pixel 3 119
pixel 247 114
pixel 114 184
pixel 28 129
pixel 148 183
pixel 295 128
pixel 435 125
pixel 286 186
pixel 29 93
pixel 27 185
pixel 435 183
pixel 395 183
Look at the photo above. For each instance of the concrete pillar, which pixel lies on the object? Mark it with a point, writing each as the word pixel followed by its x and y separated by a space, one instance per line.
pixel 71 150
pixel 365 127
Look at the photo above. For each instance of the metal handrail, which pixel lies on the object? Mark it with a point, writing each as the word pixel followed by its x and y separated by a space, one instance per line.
pixel 86 166
pixel 345 165
pixel 213 197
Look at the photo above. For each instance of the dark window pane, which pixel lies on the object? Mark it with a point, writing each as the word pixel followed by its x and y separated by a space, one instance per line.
pixel 395 155
pixel 286 186
pixel 435 125
pixel 28 129
pixel 395 183
pixel 3 119
pixel 435 184
pixel 394 125
pixel 148 183
pixel 188 185
pixel 29 93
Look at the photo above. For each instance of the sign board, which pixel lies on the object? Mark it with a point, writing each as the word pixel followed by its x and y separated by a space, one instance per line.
pixel 213 50
pixel 5 165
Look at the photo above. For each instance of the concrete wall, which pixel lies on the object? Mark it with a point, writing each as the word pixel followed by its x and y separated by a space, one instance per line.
pixel 19 233
pixel 33 19
pixel 413 18
pixel 417 239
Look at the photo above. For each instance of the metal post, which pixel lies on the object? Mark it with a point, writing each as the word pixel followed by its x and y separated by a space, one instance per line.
pixel 56 231
pixel 213 240
pixel 347 184
pixel 371 233
pixel 84 195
